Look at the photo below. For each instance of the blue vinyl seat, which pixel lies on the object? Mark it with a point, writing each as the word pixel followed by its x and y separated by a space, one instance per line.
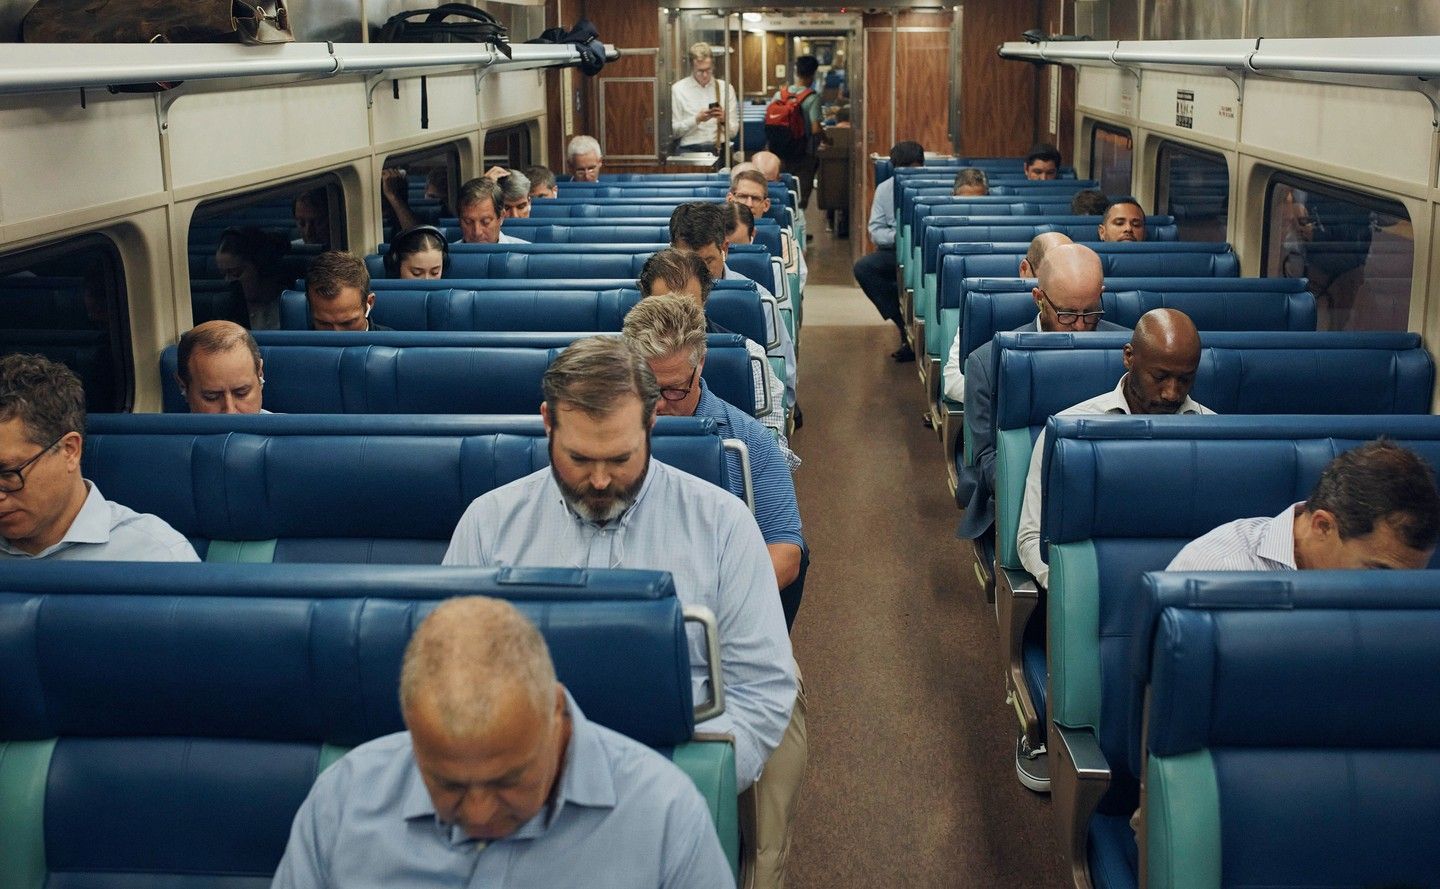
pixel 160 724
pixel 1271 373
pixel 432 372
pixel 1123 495
pixel 337 489
pixel 1289 742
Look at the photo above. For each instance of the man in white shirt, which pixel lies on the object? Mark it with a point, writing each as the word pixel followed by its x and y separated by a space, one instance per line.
pixel 481 208
pixel 700 104
pixel 1160 363
pixel 875 272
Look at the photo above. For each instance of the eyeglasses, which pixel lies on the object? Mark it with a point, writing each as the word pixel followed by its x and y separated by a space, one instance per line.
pixel 675 393
pixel 1072 317
pixel 12 480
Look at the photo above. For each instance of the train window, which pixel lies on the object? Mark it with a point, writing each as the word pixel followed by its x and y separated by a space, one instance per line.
pixel 246 249
pixel 1194 187
pixel 508 147
pixel 419 188
pixel 67 302
pixel 1357 252
pixel 1112 153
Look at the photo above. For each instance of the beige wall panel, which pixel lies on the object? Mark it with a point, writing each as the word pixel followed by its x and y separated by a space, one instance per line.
pixel 216 136
pixel 1106 89
pixel 1214 111
pixel 451 104
pixel 1383 132
pixel 106 152
pixel 511 95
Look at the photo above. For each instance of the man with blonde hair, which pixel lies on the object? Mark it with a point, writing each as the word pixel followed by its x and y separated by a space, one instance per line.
pixel 700 104
pixel 219 369
pixel 499 778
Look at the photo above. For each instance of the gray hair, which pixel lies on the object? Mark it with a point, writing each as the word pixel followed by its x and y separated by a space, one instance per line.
pixel 972 176
pixel 479 190
pixel 514 187
pixel 660 326
pixel 582 145
pixel 596 372
pixel 467 655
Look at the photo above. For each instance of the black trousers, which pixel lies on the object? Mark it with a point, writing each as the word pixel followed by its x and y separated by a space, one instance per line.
pixel 803 169
pixel 875 273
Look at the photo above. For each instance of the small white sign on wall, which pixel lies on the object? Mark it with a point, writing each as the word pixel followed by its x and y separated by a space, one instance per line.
pixel 1185 109
pixel 780 72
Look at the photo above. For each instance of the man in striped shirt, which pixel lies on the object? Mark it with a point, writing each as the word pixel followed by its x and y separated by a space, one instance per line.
pixel 1375 506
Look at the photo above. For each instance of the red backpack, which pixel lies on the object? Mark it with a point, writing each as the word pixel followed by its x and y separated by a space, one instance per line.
pixel 786 128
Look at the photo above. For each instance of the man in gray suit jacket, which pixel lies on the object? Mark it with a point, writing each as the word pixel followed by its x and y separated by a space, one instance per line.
pixel 1067 300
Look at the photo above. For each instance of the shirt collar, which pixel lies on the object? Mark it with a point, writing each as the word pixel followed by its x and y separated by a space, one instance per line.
pixel 1277 538
pixel 585 780
pixel 1188 406
pixel 90 525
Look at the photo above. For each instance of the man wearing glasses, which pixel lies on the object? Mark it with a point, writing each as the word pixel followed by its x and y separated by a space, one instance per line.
pixel 669 333
pixel 1160 363
pixel 47 509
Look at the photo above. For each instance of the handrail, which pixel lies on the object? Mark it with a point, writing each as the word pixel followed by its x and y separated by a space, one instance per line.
pixel 1357 56
pixel 38 67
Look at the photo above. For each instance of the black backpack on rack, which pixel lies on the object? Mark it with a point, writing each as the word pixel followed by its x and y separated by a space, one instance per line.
pixel 430 26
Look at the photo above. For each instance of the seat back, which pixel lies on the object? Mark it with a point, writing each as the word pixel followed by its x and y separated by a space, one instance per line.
pixel 357 488
pixel 1016 229
pixel 160 724
pixel 1288 742
pixel 429 372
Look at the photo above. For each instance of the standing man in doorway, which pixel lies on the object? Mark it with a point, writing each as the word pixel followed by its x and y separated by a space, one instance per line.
pixel 700 104
pixel 798 157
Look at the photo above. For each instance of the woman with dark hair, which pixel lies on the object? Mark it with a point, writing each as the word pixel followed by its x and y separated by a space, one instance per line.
pixel 420 252
pixel 251 259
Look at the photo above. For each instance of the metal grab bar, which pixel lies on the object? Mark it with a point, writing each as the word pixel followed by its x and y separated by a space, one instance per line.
pixel 747 481
pixel 699 614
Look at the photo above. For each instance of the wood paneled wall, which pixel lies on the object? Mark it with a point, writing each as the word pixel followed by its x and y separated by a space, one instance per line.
pixel 997 98
pixel 922 94
pixel 1055 20
pixel 754 48
pixel 628 85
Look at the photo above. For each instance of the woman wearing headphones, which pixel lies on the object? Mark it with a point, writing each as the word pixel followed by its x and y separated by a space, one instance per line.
pixel 419 252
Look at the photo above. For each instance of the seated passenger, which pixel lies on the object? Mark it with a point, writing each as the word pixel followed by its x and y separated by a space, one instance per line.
pixel 749 187
pixel 682 272
pixel 971 182
pixel 742 167
pixel 498 779
pixel 419 252
pixel 768 163
pixel 437 188
pixel 1160 363
pixel 875 272
pixel 1124 221
pixel 604 502
pixel 1042 162
pixel 1070 282
pixel 699 227
pixel 481 210
pixel 515 194
pixel 1090 202
pixel 47 509
pixel 219 369
pixel 542 182
pixel 739 224
pixel 311 210
pixel 337 289
pixel 251 260
pixel 1375 506
pixel 583 157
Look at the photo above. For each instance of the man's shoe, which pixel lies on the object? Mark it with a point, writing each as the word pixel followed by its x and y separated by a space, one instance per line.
pixel 1031 767
pixel 904 354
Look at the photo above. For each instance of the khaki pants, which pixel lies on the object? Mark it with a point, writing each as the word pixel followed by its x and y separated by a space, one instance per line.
pixel 767 810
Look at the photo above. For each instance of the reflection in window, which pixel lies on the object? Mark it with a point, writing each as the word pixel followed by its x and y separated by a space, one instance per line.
pixel 508 147
pixel 1194 187
pixel 67 302
pixel 1357 253
pixel 1111 155
pixel 244 251
pixel 419 188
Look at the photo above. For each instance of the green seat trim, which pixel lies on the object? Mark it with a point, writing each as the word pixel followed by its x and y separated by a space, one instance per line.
pixel 711 765
pixel 925 296
pixel 245 551
pixel 788 316
pixel 1182 822
pixel 1012 464
pixel 24 767
pixel 329 755
pixel 1073 609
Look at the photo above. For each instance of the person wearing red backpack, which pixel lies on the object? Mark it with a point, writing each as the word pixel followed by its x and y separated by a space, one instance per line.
pixel 792 126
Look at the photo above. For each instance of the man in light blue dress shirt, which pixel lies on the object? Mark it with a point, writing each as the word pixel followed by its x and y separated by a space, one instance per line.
pixel 47 509
pixel 500 780
pixel 605 503
pixel 876 272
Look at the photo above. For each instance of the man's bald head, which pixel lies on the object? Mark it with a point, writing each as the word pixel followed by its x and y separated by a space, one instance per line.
pixel 768 163
pixel 742 167
pixel 1039 246
pixel 1161 359
pixel 1067 295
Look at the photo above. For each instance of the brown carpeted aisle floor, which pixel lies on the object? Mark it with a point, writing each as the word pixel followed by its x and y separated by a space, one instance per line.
pixel 911 779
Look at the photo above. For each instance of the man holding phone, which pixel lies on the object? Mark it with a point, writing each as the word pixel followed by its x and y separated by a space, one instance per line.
pixel 700 104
